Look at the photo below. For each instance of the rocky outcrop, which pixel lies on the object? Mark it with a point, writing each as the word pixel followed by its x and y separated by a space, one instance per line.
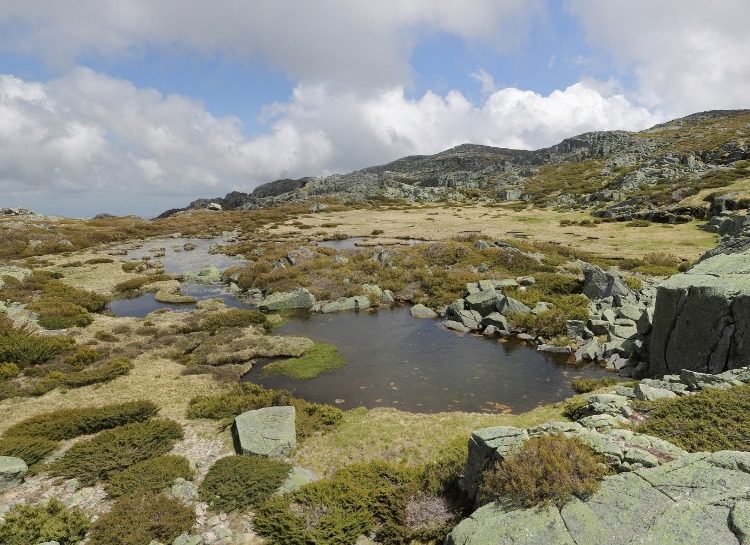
pixel 266 432
pixel 702 318
pixel 297 299
pixel 693 500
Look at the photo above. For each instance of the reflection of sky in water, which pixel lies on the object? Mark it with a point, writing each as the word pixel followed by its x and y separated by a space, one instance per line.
pixel 176 260
pixel 394 360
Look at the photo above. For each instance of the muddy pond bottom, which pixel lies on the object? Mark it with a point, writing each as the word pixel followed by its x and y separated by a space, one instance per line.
pixel 394 360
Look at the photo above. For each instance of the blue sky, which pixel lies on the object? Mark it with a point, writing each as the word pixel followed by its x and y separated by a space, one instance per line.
pixel 137 106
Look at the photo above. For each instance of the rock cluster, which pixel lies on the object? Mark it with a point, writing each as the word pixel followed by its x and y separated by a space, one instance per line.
pixel 661 494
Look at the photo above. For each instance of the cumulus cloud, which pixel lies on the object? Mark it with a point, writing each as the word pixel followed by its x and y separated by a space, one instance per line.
pixel 87 132
pixel 686 55
pixel 354 44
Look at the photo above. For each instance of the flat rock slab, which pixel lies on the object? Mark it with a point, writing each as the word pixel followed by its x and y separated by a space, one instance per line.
pixel 12 471
pixel 694 500
pixel 266 432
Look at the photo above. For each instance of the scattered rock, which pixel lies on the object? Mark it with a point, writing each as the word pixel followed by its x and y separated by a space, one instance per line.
pixel 297 299
pixel 12 472
pixel 359 302
pixel 269 431
pixel 421 311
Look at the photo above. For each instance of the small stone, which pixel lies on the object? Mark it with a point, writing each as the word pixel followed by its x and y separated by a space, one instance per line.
pixel 12 472
pixel 421 311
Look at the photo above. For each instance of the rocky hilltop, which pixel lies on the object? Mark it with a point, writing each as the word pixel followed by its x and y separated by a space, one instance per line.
pixel 653 174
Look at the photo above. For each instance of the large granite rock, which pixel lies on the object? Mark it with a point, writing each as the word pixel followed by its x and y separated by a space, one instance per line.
pixel 358 302
pixel 12 471
pixel 290 300
pixel 267 432
pixel 599 283
pixel 694 500
pixel 702 318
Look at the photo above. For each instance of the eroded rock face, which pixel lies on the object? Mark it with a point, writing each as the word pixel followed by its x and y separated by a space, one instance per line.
pixel 702 318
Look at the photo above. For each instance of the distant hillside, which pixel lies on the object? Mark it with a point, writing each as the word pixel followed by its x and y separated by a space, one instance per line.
pixel 685 168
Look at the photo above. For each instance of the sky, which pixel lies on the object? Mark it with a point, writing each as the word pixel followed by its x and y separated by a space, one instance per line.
pixel 137 106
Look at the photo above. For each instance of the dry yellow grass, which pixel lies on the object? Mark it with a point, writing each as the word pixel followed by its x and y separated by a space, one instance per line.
pixel 439 222
pixel 401 437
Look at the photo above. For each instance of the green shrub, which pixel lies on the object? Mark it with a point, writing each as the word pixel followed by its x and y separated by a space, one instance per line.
pixel 241 482
pixel 142 518
pixel 9 371
pixel 546 469
pixel 311 417
pixel 710 420
pixel 132 266
pixel 68 423
pixel 638 223
pixel 233 318
pixel 321 358
pixel 117 449
pixel 359 499
pixel 585 385
pixel 151 475
pixel 82 357
pixel 31 524
pixel 103 373
pixel 25 350
pixel 60 314
pixel 31 450
pixel 99 260
pixel 573 408
pixel 633 283
pixel 656 270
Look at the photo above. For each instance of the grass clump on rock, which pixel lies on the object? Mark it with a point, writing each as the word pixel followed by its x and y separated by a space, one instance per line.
pixel 68 423
pixel 710 420
pixel 233 318
pixel 151 475
pixel 311 417
pixel 321 358
pixel 547 469
pixel 142 518
pixel 115 450
pixel 52 521
pixel 585 385
pixel 241 482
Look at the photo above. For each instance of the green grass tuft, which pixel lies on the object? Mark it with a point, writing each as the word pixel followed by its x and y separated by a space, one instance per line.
pixel 322 358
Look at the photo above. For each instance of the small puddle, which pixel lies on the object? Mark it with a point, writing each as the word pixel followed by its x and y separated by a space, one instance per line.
pixel 139 307
pixel 179 261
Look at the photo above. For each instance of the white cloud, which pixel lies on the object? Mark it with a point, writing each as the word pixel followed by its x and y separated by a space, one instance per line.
pixel 90 135
pixel 686 55
pixel 342 42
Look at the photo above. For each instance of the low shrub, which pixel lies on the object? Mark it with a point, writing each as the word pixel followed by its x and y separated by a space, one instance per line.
pixel 68 423
pixel 241 482
pixel 311 417
pixel 638 223
pixel 82 357
pixel 378 498
pixel 9 371
pixel 103 373
pixel 546 469
pixel 656 270
pixel 142 518
pixel 633 283
pixel 52 521
pixel 59 314
pixel 117 449
pixel 321 358
pixel 233 318
pixel 31 450
pixel 151 475
pixel 585 385
pixel 99 260
pixel 710 420
pixel 25 350
pixel 573 408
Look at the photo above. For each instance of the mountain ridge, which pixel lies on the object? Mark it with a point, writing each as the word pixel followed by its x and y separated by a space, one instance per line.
pixel 618 174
